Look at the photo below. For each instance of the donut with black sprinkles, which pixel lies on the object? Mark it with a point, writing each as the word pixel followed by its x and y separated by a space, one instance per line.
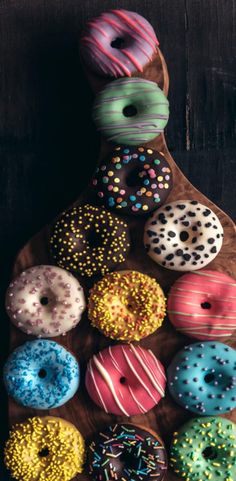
pixel 183 235
pixel 89 240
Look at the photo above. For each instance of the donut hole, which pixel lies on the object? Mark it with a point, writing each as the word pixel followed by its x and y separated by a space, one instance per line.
pixel 118 43
pixel 210 377
pixel 43 452
pixel 209 453
pixel 184 235
pixel 42 373
pixel 133 178
pixel 130 111
pixel 123 380
pixel 44 300
pixel 94 239
pixel 205 305
pixel 128 459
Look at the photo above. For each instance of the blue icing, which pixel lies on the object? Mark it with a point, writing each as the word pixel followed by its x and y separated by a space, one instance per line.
pixel 202 378
pixel 41 374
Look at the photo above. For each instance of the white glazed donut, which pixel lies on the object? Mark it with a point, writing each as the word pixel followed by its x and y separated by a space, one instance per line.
pixel 45 301
pixel 183 235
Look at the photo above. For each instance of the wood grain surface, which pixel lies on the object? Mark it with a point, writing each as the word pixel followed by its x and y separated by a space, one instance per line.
pixel 84 340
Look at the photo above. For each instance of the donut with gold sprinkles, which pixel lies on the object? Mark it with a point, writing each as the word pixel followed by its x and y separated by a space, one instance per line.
pixel 127 452
pixel 134 180
pixel 205 450
pixel 89 240
pixel 44 449
pixel 126 305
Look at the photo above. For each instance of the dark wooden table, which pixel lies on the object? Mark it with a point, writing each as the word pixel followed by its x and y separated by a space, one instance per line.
pixel 45 106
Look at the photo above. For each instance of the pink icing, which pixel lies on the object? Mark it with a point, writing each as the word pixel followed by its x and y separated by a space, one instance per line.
pixel 203 305
pixel 139 47
pixel 125 380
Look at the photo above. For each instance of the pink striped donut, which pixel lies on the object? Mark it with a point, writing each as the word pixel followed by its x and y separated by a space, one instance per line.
pixel 125 380
pixel 202 304
pixel 118 43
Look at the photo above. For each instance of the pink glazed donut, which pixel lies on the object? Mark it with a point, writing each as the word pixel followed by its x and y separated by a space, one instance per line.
pixel 118 43
pixel 202 304
pixel 125 380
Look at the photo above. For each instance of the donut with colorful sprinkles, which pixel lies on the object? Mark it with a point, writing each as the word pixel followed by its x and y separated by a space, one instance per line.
pixel 133 180
pixel 44 449
pixel 183 235
pixel 127 452
pixel 202 378
pixel 131 111
pixel 126 305
pixel 118 43
pixel 125 380
pixel 205 450
pixel 89 240
pixel 202 304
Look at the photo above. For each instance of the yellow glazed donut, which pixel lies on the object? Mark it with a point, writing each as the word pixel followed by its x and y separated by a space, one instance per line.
pixel 126 305
pixel 44 449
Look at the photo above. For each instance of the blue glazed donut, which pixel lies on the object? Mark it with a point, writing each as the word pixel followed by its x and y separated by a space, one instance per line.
pixel 41 374
pixel 202 378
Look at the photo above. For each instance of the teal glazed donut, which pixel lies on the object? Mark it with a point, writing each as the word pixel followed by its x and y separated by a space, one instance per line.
pixel 41 374
pixel 205 450
pixel 202 378
pixel 131 111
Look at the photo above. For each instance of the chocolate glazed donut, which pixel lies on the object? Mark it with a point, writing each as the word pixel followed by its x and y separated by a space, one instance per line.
pixel 128 452
pixel 133 180
pixel 89 240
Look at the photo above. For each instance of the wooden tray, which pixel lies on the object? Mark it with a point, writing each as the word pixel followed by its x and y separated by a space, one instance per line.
pixel 84 340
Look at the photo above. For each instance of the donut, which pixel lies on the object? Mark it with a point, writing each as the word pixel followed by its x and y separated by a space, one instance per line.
pixel 41 374
pixel 131 111
pixel 118 43
pixel 127 452
pixel 204 450
pixel 133 180
pixel 202 378
pixel 89 240
pixel 45 301
pixel 125 380
pixel 126 305
pixel 202 304
pixel 183 235
pixel 44 449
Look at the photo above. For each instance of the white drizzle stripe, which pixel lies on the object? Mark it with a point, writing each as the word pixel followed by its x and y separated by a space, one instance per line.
pixel 200 292
pixel 154 380
pixel 141 408
pixel 115 363
pixel 96 387
pixel 161 369
pixel 138 377
pixel 216 279
pixel 219 327
pixel 105 375
pixel 204 334
pixel 173 294
pixel 213 316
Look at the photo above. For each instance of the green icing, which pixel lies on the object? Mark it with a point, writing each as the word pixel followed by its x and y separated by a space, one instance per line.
pixel 205 449
pixel 149 103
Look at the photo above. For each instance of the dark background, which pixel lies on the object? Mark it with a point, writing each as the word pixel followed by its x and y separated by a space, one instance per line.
pixel 48 145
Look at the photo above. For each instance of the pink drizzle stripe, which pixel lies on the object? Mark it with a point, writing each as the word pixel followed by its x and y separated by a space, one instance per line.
pixel 149 39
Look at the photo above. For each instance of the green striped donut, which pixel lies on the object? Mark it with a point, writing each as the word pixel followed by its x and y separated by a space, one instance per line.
pixel 131 111
pixel 204 449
